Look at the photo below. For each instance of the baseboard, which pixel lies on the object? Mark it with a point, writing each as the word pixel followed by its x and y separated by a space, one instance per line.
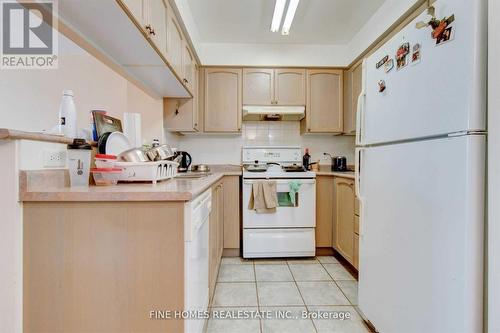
pixel 324 251
pixel 231 253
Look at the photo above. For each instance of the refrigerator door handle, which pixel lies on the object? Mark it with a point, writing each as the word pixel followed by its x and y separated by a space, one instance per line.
pixel 357 169
pixel 360 107
pixel 358 119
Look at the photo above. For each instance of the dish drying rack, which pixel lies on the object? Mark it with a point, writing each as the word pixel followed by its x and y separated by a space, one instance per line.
pixel 147 171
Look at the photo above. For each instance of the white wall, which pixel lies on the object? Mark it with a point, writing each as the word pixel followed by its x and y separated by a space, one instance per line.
pixel 390 12
pixel 493 278
pixel 221 149
pixel 231 54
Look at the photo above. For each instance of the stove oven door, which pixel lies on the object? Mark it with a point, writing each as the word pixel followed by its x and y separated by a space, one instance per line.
pixel 301 214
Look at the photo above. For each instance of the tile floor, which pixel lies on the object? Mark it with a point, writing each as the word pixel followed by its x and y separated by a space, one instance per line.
pixel 320 284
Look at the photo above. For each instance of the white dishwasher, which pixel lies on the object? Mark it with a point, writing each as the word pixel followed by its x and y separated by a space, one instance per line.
pixel 197 214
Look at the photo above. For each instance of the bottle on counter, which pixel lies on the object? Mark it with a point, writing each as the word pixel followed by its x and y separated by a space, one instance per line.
pixel 306 159
pixel 67 115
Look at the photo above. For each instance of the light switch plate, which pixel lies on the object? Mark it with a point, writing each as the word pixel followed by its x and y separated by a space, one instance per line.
pixel 54 158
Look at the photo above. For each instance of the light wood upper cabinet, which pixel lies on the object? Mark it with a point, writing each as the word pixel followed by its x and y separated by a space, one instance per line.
pixel 189 67
pixel 352 86
pixel 136 9
pixel 266 86
pixel 290 86
pixel 151 15
pixel 324 101
pixel 183 115
pixel 344 217
pixel 157 21
pixel 175 44
pixel 258 86
pixel 222 99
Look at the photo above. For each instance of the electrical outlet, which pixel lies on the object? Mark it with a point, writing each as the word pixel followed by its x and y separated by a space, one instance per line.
pixel 54 158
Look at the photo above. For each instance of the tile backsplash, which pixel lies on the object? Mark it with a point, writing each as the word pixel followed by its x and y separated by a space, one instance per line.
pixel 226 149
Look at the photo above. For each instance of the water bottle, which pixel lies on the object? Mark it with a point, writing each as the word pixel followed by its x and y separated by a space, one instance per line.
pixel 67 115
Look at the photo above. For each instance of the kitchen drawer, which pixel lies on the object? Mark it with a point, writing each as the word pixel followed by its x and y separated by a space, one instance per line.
pixel 356 224
pixel 274 243
pixel 356 206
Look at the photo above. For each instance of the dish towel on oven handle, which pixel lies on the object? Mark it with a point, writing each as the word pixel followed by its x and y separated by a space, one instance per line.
pixel 294 188
pixel 264 198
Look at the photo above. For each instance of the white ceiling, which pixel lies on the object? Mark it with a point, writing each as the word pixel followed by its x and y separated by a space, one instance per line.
pixel 249 21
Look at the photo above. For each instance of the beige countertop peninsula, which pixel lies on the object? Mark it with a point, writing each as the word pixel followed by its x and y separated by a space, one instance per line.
pixel 53 185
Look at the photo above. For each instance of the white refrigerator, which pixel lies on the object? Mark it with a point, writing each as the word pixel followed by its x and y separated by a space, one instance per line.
pixel 420 178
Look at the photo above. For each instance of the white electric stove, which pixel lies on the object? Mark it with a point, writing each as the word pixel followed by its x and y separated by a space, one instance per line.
pixel 288 232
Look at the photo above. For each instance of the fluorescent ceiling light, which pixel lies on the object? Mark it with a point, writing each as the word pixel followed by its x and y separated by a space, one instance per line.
pixel 290 13
pixel 279 8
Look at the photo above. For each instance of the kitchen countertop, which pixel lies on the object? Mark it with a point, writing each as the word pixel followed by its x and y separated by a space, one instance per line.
pixel 325 170
pixel 53 185
pixel 10 134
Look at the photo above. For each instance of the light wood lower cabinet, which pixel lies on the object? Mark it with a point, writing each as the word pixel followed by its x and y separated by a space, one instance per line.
pixel 324 211
pixel 224 224
pixel 216 235
pixel 102 266
pixel 344 217
pixel 337 217
pixel 231 213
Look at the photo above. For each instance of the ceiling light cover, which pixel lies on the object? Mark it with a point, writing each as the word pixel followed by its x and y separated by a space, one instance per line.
pixel 290 13
pixel 279 8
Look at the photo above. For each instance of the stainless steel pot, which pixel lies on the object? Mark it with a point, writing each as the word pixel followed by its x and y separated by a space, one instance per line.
pixel 133 155
pixel 200 168
pixel 160 153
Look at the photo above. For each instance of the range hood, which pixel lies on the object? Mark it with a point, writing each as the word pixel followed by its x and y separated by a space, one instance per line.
pixel 270 113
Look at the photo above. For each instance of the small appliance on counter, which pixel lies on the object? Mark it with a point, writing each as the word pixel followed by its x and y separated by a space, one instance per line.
pixel 339 163
pixel 184 162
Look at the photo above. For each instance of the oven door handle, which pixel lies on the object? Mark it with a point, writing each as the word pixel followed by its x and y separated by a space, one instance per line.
pixel 281 181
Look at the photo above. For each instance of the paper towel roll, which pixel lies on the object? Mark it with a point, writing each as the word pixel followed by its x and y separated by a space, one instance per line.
pixel 132 128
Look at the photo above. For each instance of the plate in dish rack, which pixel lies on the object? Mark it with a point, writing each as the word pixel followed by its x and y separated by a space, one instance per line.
pixel 117 143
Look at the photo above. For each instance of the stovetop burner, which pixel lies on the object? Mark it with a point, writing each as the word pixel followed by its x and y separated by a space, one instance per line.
pixel 293 168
